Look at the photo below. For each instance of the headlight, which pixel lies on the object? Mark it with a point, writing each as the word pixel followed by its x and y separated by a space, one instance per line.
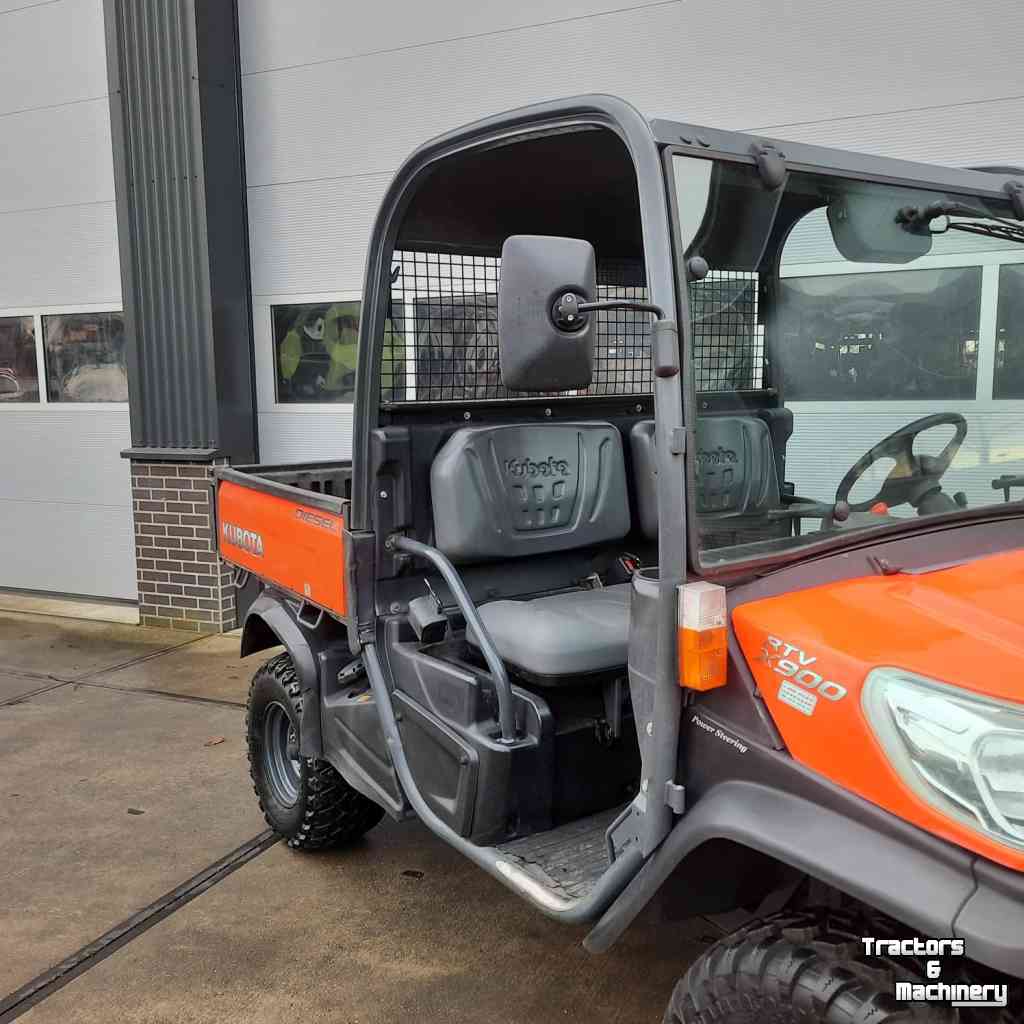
pixel 961 753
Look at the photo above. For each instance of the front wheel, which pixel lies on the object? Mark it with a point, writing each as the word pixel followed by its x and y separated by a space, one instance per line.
pixel 302 798
pixel 804 966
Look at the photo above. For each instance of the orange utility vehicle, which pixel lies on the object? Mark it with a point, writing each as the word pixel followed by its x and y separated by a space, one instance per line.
pixel 596 597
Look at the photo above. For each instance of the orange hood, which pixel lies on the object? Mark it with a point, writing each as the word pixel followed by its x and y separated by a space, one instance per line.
pixel 962 625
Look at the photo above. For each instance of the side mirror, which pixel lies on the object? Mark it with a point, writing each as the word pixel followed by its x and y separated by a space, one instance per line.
pixel 544 344
pixel 866 228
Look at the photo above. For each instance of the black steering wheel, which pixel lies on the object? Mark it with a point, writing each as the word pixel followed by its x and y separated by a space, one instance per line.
pixel 914 478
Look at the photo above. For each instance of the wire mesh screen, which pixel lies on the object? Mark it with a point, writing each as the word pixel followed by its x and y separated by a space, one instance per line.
pixel 728 341
pixel 441 337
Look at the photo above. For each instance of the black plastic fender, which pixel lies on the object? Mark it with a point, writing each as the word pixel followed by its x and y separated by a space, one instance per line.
pixel 916 878
pixel 271 620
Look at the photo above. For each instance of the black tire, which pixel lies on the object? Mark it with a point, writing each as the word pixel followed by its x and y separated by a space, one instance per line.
pixel 302 798
pixel 805 966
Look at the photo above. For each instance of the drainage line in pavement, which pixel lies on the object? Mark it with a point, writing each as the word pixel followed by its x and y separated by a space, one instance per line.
pixel 189 698
pixel 138 659
pixel 10 701
pixel 120 935
pixel 55 682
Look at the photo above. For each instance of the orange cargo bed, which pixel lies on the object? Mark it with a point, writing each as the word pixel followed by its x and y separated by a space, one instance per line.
pixel 286 526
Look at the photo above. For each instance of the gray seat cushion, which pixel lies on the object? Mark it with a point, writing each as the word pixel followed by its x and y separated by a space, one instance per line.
pixel 561 635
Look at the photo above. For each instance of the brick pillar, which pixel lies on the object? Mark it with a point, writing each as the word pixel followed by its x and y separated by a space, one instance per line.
pixel 182 582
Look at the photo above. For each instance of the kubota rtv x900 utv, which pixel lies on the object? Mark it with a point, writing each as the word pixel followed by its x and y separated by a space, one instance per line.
pixel 680 553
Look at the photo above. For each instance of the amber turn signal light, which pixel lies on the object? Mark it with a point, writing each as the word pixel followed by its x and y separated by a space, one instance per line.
pixel 702 642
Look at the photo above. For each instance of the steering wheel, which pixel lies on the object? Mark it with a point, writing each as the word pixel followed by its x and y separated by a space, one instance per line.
pixel 914 478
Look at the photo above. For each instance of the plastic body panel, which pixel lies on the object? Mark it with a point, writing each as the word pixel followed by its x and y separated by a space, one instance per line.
pixel 962 625
pixel 481 788
pixel 526 489
pixel 294 545
pixel 354 745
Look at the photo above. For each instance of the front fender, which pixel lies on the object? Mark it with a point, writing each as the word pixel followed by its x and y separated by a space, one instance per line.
pixel 931 886
pixel 923 888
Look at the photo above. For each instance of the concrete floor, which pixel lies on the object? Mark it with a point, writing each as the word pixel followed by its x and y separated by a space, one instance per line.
pixel 97 725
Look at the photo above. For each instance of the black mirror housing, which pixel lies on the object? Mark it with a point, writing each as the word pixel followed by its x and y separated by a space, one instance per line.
pixel 534 353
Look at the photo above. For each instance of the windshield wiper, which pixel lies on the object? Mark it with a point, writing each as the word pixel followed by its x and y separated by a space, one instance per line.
pixel 1011 232
pixel 918 219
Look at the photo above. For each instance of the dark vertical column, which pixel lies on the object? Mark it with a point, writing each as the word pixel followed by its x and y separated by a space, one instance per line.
pixel 179 167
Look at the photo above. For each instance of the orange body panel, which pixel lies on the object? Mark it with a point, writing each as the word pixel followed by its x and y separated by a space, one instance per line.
pixel 293 545
pixel 962 625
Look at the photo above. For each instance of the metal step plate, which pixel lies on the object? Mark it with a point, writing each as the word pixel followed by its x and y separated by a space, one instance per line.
pixel 567 860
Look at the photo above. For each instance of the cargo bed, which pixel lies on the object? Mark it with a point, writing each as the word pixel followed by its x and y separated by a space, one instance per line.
pixel 285 525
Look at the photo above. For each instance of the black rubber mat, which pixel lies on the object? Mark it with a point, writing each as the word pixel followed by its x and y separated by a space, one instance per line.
pixel 568 860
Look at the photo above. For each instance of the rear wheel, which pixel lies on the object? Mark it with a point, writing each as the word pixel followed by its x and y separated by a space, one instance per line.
pixel 302 798
pixel 806 966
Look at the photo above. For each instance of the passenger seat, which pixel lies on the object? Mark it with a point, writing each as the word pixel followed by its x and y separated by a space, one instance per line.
pixel 516 490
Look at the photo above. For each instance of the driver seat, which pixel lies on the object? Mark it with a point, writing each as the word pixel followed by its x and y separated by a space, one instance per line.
pixel 515 490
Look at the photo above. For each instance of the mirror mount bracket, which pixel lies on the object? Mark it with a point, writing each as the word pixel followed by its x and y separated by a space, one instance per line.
pixel 1015 192
pixel 771 164
pixel 568 313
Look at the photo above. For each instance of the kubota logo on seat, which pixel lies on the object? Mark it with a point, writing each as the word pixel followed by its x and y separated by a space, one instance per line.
pixel 529 467
pixel 716 456
pixel 247 540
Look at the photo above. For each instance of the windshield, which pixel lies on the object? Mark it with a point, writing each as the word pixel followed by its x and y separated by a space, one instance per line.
pixel 857 356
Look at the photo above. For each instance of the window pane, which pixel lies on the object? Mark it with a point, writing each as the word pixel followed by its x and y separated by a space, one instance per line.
pixel 85 358
pixel 315 347
pixel 903 334
pixel 19 376
pixel 1009 372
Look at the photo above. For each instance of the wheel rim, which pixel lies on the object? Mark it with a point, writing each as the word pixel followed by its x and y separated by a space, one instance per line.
pixel 281 769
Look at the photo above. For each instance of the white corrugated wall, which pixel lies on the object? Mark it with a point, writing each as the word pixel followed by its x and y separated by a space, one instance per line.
pixel 65 500
pixel 337 94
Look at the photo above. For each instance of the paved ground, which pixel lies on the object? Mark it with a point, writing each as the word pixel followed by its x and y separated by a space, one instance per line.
pixel 122 775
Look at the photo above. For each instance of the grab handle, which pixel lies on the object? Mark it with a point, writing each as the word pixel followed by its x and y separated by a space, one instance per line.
pixel 502 687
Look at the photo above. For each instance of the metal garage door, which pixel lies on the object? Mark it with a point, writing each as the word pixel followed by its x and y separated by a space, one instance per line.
pixel 65 502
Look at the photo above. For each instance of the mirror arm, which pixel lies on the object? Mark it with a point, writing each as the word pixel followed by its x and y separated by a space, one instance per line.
pixel 638 307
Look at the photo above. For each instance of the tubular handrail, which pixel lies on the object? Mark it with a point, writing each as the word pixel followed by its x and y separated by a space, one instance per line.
pixel 502 687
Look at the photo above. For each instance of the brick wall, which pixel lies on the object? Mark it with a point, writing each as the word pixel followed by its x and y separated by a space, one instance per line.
pixel 182 583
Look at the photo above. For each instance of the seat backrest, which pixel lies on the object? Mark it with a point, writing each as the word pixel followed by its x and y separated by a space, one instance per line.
pixel 525 489
pixel 736 474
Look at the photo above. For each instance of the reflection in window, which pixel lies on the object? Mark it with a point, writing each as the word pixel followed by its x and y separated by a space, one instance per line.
pixel 315 347
pixel 1009 368
pixel 728 340
pixel 902 334
pixel 85 357
pixel 19 376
